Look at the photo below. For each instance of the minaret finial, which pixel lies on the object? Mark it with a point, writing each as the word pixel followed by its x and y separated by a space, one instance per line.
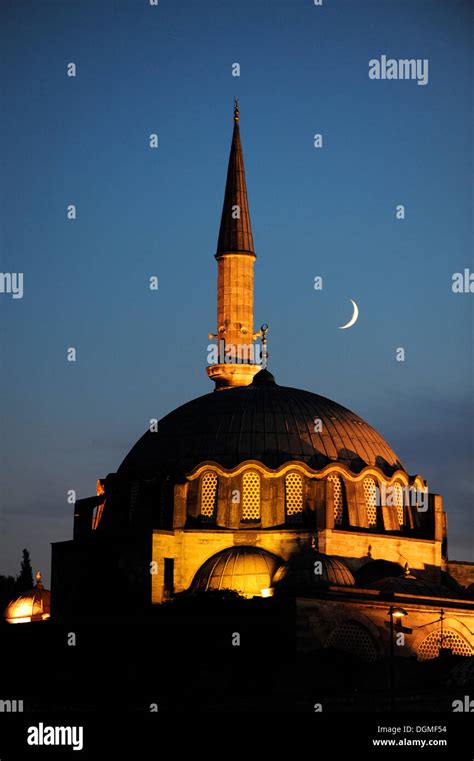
pixel 236 110
pixel 264 330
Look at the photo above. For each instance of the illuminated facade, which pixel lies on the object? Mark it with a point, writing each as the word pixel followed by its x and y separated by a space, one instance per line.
pixel 267 490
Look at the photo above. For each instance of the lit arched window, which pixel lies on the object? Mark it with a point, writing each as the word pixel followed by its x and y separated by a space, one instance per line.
pixel 337 497
pixel 294 496
pixel 398 492
pixel 251 497
pixel 370 495
pixel 451 640
pixel 208 496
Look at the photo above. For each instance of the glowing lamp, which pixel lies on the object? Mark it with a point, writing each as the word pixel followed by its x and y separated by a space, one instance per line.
pixel 398 612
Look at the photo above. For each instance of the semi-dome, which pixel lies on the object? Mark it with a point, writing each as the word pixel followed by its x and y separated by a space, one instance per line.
pixel 247 570
pixel 34 605
pixel 375 570
pixel 263 421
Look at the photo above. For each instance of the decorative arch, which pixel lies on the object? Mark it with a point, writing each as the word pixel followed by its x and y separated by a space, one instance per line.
pixel 353 637
pixel 429 647
pixel 304 469
pixel 450 624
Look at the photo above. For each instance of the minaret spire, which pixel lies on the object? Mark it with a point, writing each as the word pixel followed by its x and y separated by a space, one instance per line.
pixel 235 234
pixel 237 360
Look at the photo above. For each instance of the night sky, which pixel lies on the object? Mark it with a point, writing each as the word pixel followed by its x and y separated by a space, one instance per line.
pixel 144 212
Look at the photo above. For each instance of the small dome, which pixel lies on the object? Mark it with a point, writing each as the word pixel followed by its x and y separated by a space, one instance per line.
pixel 375 570
pixel 34 605
pixel 309 569
pixel 263 376
pixel 247 570
pixel 410 585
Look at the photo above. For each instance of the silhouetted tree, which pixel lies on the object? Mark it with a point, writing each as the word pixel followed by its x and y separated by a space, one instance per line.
pixel 25 579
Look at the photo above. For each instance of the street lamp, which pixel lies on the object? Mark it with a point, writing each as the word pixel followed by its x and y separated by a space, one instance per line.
pixel 397 613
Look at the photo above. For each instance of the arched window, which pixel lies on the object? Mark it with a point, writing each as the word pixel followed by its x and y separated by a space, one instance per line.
pixel 208 497
pixel 352 637
pixel 398 492
pixel 251 496
pixel 294 497
pixel 337 498
pixel 370 495
pixel 431 645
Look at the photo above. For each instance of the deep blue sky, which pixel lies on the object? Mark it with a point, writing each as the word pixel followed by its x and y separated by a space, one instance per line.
pixel 328 212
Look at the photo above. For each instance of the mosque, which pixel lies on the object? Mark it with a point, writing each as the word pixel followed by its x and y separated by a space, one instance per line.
pixel 269 491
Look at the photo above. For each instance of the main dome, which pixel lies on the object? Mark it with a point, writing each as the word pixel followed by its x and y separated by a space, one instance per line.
pixel 265 422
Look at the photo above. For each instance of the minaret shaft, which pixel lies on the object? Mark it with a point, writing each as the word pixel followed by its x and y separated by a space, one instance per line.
pixel 235 298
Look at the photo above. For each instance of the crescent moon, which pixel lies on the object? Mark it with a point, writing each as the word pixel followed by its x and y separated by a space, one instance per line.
pixel 353 318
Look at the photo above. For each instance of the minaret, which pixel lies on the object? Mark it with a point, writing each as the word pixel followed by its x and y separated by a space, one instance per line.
pixel 238 355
